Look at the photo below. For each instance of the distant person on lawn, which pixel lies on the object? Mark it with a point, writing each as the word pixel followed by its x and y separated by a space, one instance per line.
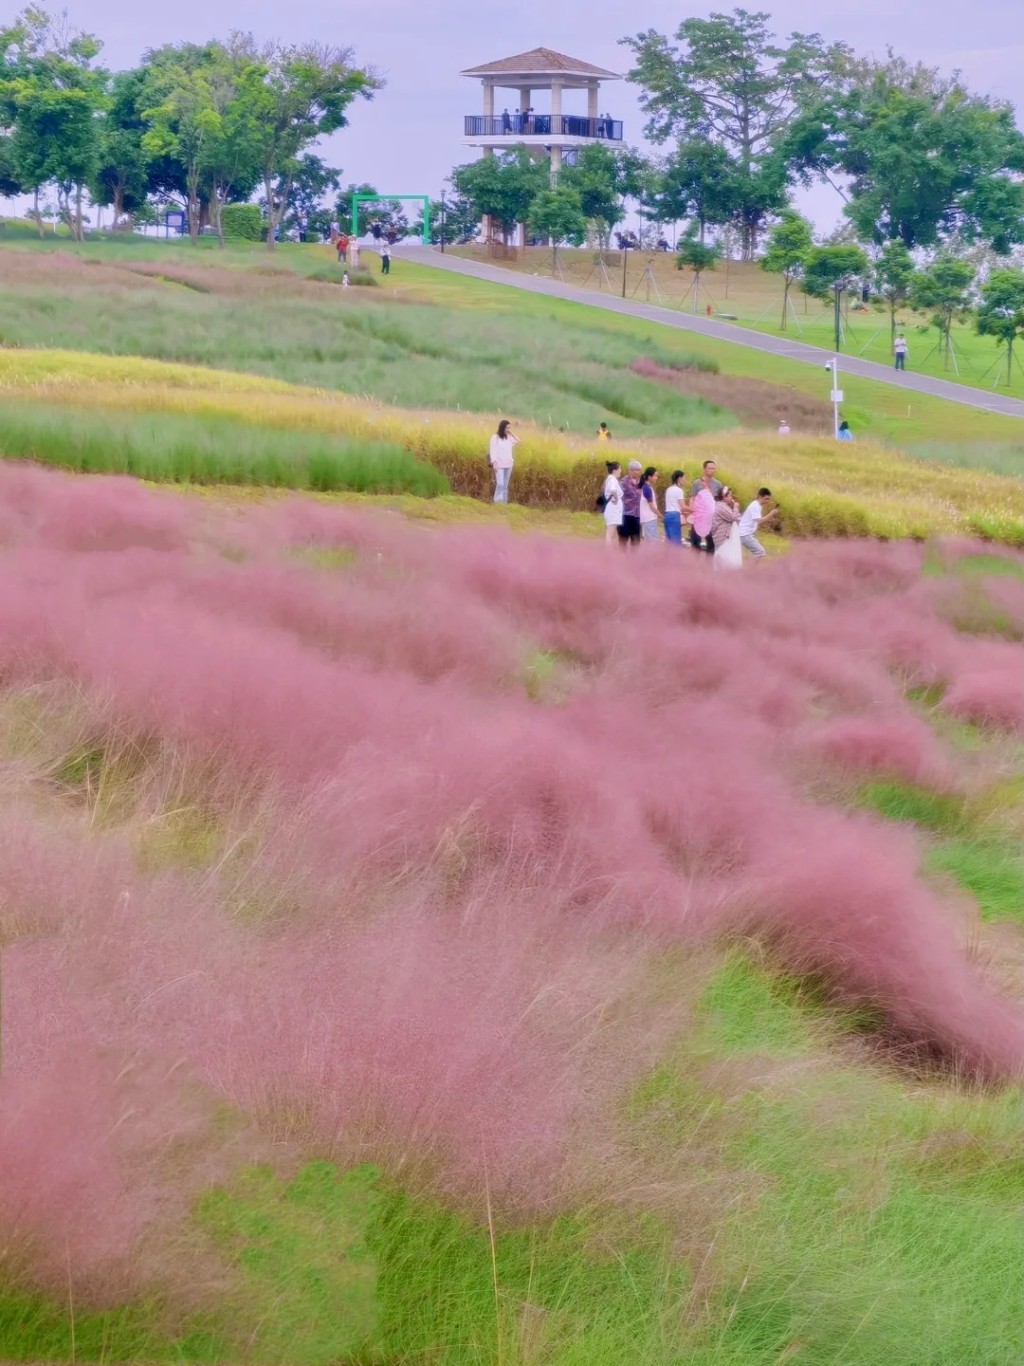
pixel 354 253
pixel 751 521
pixel 629 528
pixel 385 259
pixel 342 245
pixel 603 434
pixel 783 427
pixel 501 459
pixel 612 494
pixel 900 350
pixel 844 433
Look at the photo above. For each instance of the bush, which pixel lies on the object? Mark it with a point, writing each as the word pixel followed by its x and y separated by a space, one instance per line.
pixel 243 221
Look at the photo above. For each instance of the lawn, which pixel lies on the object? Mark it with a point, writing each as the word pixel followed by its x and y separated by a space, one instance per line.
pixel 366 1002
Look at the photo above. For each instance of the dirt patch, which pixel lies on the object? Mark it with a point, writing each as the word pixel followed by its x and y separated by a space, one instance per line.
pixel 756 402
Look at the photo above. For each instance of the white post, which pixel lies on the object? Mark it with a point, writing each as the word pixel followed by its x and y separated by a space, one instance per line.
pixel 524 100
pixel 488 98
pixel 592 108
pixel 836 395
pixel 556 108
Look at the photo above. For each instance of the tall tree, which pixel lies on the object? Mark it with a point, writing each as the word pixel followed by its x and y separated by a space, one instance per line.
pixel 1001 311
pixel 725 79
pixel 503 187
pixel 314 181
pixel 557 213
pixel 603 179
pixel 924 158
pixel 829 272
pixel 944 290
pixel 696 181
pixel 182 118
pixel 699 257
pixel 894 273
pixel 789 245
pixel 121 178
pixel 294 96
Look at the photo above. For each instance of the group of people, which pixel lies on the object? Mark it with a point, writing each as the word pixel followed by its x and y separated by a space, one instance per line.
pixel 715 521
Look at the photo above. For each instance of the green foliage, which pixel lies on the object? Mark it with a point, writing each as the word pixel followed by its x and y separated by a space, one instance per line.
pixel 727 80
pixel 242 221
pixel 750 1010
pixel 699 181
pixel 789 244
pixel 1001 312
pixel 697 256
pixel 184 449
pixel 601 178
pixel 829 268
pixel 894 274
pixel 943 289
pixel 993 875
pixel 504 186
pixel 925 158
pixel 557 214
pixel 941 812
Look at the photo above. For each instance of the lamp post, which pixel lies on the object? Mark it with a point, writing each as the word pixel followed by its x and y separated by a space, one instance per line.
pixel 836 395
pixel 442 221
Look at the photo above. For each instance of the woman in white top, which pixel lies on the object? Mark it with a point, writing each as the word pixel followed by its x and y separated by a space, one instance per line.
pixel 612 494
pixel 501 460
pixel 676 508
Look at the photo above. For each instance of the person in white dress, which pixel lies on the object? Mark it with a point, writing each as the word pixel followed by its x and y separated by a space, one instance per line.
pixel 501 459
pixel 612 494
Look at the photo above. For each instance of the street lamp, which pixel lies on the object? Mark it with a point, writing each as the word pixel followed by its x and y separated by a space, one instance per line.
pixel 836 395
pixel 442 220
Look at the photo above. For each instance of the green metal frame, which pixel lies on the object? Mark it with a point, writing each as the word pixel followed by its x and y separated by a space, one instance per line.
pixel 424 199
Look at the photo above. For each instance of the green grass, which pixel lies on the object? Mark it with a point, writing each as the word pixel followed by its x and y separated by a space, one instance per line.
pixel 992 873
pixel 940 812
pixel 176 448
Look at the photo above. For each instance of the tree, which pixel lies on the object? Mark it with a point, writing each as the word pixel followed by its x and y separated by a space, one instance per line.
pixel 828 271
pixel 293 96
pixel 925 158
pixel 314 181
pixel 603 179
pixel 697 181
pixel 503 187
pixel 943 289
pixel 121 178
pixel 699 257
pixel 557 213
pixel 182 118
pixel 727 81
pixel 1001 312
pixel 457 221
pixel 789 245
pixel 894 273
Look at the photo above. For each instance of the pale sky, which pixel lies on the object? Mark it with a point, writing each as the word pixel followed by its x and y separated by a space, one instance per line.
pixel 409 137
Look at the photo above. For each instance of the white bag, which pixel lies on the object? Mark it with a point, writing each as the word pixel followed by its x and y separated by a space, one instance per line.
pixel 730 555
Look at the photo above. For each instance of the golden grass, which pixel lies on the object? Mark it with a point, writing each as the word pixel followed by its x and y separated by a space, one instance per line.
pixel 825 488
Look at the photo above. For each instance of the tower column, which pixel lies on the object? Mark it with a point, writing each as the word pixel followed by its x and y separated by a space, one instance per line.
pixel 556 108
pixel 592 109
pixel 488 86
pixel 524 99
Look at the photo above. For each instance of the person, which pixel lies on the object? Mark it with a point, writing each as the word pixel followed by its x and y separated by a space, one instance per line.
pixel 629 527
pixel 506 121
pixel 345 281
pixel 385 259
pixel 649 504
pixel 844 433
pixel 751 521
pixel 501 460
pixel 612 495
pixel 900 350
pixel 703 508
pixel 783 427
pixel 676 508
pixel 354 251
pixel 342 245
pixel 725 521
pixel 603 434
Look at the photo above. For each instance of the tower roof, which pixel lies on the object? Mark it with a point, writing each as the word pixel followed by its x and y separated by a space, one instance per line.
pixel 542 61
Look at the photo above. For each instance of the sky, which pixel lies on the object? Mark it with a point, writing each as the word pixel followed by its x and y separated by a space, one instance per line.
pixel 408 138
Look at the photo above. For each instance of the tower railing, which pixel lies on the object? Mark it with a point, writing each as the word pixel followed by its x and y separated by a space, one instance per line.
pixel 542 125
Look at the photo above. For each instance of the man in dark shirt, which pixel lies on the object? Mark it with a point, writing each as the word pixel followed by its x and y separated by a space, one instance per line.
pixel 629 531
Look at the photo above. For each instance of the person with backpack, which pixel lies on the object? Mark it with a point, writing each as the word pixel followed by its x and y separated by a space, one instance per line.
pixel 610 501
pixel 501 460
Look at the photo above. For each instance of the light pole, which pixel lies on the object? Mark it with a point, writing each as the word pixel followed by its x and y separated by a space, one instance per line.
pixel 837 394
pixel 442 221
pixel 625 252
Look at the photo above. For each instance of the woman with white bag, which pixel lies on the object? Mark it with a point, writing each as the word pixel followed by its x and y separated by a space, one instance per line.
pixel 725 531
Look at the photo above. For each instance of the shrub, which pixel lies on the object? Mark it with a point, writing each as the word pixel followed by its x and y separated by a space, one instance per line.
pixel 242 221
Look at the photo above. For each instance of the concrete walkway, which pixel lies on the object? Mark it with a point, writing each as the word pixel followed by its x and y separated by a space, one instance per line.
pixel 711 327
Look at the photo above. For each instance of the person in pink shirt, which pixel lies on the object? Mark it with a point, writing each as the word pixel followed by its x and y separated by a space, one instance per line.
pixel 703 504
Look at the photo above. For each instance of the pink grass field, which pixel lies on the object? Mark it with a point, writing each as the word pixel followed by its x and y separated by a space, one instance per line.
pixel 449 800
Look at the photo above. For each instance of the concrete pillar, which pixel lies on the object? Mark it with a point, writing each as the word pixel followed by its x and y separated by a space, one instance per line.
pixel 524 100
pixel 556 107
pixel 488 86
pixel 556 163
pixel 592 92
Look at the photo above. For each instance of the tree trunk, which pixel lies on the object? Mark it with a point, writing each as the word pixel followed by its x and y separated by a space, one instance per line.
pixel 785 302
pixel 79 233
pixel 35 210
pixel 118 206
pixel 268 185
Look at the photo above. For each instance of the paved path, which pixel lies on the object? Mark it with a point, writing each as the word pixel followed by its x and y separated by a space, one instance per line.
pixel 711 327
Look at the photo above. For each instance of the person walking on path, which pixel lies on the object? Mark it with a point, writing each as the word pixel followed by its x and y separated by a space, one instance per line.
pixel 385 259
pixel 629 528
pixel 612 495
pixel 702 498
pixel 676 508
pixel 751 522
pixel 900 351
pixel 501 459
pixel 649 504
